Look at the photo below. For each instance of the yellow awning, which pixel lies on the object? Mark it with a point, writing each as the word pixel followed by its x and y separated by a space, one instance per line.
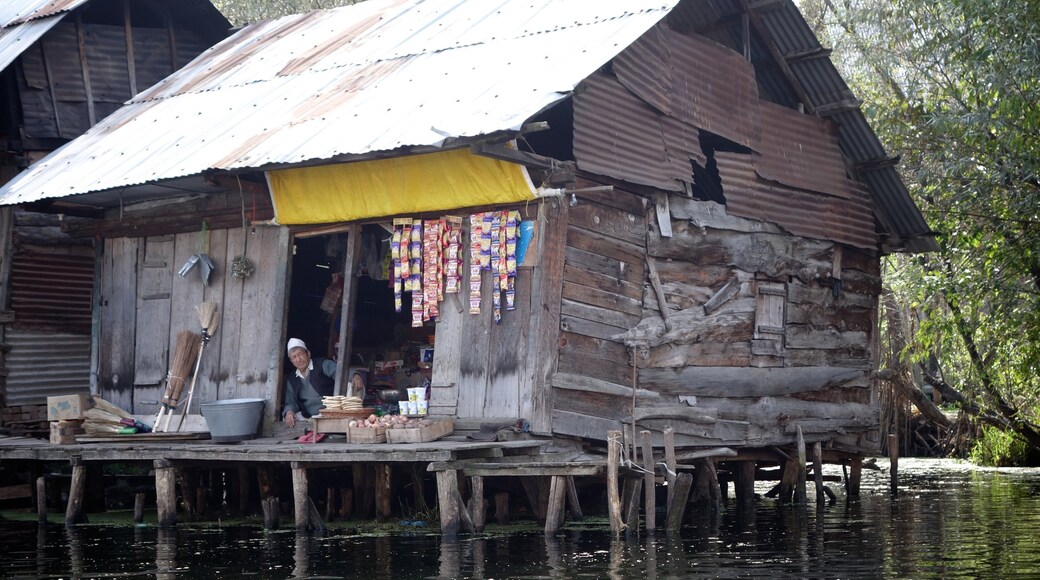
pixel 401 185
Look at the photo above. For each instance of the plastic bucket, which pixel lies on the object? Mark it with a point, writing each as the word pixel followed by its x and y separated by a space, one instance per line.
pixel 233 420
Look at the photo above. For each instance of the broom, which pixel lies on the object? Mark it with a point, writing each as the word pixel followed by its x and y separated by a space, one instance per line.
pixel 105 418
pixel 208 319
pixel 185 352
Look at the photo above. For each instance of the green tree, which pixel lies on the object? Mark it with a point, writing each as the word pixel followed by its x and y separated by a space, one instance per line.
pixel 952 86
pixel 241 12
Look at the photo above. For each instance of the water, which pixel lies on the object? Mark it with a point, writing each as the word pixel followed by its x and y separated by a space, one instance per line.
pixel 949 520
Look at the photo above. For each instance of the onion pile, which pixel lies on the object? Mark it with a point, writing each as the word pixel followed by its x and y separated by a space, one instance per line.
pixel 390 422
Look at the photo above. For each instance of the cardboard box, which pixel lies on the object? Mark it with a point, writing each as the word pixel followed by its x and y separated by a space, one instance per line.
pixel 64 432
pixel 68 407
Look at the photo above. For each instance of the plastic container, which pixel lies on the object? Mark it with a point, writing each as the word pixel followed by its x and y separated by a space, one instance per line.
pixel 233 420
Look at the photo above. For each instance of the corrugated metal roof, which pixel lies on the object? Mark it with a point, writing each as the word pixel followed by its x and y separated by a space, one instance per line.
pixel 380 76
pixel 15 39
pixel 15 12
pixel 801 151
pixel 41 364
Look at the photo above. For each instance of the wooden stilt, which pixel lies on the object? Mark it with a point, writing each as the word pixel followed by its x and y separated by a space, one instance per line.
pixel 502 507
pixel 669 460
pixel 364 492
pixel 301 499
pixel 74 509
pixel 138 508
pixel 631 492
pixel 346 502
pixel 799 488
pixel 788 480
pixel 554 511
pixel 613 500
pixel 817 457
pixel 649 483
pixel 189 483
pixel 476 503
pixel 41 499
pixel 893 459
pixel 537 496
pixel 464 516
pixel 314 521
pixel 574 505
pixel 677 505
pixel 745 482
pixel 855 475
pixel 272 511
pixel 382 491
pixel 243 489
pixel 447 489
pixel 165 493
pixel 330 503
pixel 201 504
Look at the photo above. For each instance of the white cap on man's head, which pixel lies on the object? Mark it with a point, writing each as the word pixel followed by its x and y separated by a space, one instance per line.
pixel 295 343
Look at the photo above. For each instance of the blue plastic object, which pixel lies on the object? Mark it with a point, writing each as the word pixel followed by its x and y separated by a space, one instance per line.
pixel 526 233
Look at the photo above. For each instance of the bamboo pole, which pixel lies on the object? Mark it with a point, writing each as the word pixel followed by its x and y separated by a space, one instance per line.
pixel 613 499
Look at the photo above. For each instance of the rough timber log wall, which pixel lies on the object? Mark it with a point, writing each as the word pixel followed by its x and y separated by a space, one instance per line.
pixel 769 291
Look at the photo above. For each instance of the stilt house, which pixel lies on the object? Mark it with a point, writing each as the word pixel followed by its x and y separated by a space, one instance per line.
pixel 64 67
pixel 708 204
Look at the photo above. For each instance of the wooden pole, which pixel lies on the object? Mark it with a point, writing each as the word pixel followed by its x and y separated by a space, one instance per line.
pixel 554 512
pixel 243 489
pixel 138 508
pixel 165 493
pixel 271 509
pixel 817 457
pixel 346 502
pixel 447 489
pixel 330 503
pixel 630 492
pixel 855 474
pixel 799 488
pixel 669 460
pixel 502 507
pixel 745 484
pixel 41 499
pixel 74 509
pixel 301 499
pixel 649 483
pixel 893 458
pixel 382 491
pixel 677 506
pixel 476 501
pixel 572 500
pixel 613 500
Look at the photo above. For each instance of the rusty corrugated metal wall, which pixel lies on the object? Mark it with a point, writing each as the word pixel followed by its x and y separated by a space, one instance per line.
pixel 50 336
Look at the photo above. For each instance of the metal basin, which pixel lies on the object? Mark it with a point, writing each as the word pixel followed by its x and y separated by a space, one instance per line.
pixel 233 420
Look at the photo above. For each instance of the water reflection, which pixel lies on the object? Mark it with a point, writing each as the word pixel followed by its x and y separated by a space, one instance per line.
pixel 946 522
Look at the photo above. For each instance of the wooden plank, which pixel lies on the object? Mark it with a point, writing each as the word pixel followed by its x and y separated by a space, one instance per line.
pixel 152 335
pixel 617 197
pixel 474 363
pixel 578 274
pixel 799 293
pixel 507 354
pixel 20 491
pixel 223 349
pixel 664 217
pixel 546 288
pixel 588 384
pixel 766 411
pixel 118 322
pixel 621 320
pixel 691 327
pixel 85 70
pixel 609 300
pixel 613 407
pixel 630 271
pixel 709 213
pixel 348 314
pixel 769 310
pixel 730 289
pixel 258 364
pixel 590 328
pixel 448 352
pixel 736 382
pixel 839 316
pixel 736 354
pixel 604 245
pixel 610 222
pixel 825 339
pixel 614 372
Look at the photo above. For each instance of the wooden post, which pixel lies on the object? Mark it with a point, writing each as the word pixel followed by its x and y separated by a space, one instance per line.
pixel 271 509
pixel 447 489
pixel 613 500
pixel 799 488
pixel 855 474
pixel 363 490
pixel 330 503
pixel 165 493
pixel 893 458
pixel 745 484
pixel 41 499
pixel 138 508
pixel 572 500
pixel 677 505
pixel 74 509
pixel 817 457
pixel 243 489
pixel 382 491
pixel 669 460
pixel 788 480
pixel 502 507
pixel 189 481
pixel 301 499
pixel 346 502
pixel 630 493
pixel 314 520
pixel 554 511
pixel 649 483
pixel 476 503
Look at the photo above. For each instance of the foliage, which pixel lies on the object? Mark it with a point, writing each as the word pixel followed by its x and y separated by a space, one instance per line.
pixel 241 12
pixel 952 86
pixel 998 448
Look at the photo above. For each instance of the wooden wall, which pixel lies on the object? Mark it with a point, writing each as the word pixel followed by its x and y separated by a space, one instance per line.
pixel 144 304
pixel 766 331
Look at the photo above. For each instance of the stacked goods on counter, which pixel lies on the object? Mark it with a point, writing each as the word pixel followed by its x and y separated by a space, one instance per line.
pixel 343 407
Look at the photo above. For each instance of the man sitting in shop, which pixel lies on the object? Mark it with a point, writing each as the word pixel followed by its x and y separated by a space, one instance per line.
pixel 314 378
